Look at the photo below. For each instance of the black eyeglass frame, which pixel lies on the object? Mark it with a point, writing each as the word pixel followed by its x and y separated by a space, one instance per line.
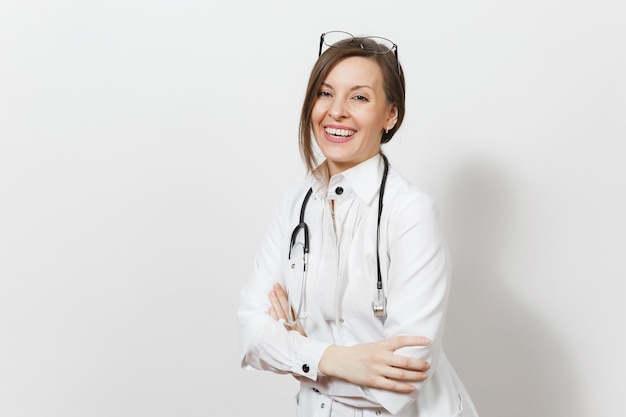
pixel 351 37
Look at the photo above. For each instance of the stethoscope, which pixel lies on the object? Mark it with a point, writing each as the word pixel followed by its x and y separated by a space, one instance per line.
pixel 379 305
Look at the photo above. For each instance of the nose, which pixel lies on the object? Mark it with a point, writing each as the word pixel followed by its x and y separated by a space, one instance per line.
pixel 337 110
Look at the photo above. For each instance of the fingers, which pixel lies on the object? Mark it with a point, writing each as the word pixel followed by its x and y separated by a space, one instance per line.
pixel 405 368
pixel 273 313
pixel 280 310
pixel 397 342
pixel 276 308
pixel 405 374
pixel 282 298
pixel 395 386
pixel 280 303
pixel 408 363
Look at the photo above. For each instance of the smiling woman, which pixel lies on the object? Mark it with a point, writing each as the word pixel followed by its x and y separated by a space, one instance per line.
pixel 350 112
pixel 356 310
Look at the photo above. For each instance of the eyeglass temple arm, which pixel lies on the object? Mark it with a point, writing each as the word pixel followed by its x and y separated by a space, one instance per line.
pixel 321 43
pixel 395 51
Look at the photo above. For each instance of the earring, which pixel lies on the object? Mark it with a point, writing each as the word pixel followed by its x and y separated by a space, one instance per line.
pixel 386 130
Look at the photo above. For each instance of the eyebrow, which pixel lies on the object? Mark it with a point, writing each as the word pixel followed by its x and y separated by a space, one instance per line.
pixel 356 87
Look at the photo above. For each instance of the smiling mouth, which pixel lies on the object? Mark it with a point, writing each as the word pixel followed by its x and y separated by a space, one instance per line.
pixel 339 133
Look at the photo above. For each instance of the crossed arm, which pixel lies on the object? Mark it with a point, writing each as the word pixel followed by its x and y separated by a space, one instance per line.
pixel 373 365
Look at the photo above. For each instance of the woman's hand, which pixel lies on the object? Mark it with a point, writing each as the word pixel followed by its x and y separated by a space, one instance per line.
pixel 370 364
pixel 376 365
pixel 281 310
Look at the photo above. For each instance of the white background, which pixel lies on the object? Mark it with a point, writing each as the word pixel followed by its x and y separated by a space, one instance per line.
pixel 143 145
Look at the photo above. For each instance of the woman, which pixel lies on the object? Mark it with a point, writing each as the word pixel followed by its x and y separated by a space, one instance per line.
pixel 352 302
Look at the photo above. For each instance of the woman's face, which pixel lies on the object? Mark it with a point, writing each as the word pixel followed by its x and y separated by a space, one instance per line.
pixel 351 112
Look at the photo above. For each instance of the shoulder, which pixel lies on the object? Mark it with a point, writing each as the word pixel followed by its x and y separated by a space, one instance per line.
pixel 402 194
pixel 410 211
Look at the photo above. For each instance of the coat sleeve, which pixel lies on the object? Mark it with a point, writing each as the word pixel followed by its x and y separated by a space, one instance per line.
pixel 265 344
pixel 419 270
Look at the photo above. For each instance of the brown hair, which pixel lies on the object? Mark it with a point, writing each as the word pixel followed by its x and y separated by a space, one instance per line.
pixel 393 84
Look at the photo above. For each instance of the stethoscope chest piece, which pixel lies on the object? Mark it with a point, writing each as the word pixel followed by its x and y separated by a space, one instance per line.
pixel 379 305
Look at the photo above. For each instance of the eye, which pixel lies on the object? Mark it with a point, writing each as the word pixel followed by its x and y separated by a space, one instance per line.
pixel 359 97
pixel 324 93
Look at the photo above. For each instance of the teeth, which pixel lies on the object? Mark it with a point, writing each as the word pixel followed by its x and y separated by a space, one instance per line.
pixel 339 132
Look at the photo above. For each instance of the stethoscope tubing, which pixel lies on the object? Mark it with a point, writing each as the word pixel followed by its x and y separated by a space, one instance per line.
pixel 378 305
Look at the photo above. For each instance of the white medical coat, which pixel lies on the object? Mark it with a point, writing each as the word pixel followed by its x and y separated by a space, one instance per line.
pixel 341 286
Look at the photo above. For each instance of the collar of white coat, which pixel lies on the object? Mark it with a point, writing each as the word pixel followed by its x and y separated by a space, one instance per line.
pixel 364 179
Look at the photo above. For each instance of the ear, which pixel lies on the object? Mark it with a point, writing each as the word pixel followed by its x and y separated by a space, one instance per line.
pixel 392 117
